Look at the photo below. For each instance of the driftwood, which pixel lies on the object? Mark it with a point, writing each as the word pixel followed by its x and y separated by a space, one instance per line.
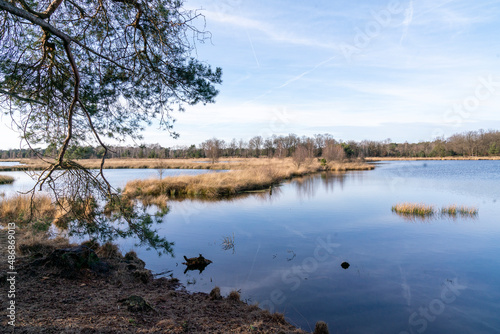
pixel 196 263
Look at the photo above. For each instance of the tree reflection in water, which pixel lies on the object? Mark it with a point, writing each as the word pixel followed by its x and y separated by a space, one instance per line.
pixel 307 186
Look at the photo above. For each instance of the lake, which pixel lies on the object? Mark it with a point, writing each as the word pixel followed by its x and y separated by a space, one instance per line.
pixel 10 163
pixel 116 177
pixel 438 275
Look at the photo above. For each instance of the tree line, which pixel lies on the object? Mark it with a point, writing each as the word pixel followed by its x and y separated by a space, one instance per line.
pixel 471 143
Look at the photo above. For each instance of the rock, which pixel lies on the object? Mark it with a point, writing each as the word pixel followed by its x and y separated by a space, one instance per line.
pixel 321 328
pixel 345 265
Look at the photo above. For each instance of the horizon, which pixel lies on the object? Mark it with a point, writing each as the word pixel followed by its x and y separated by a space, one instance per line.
pixel 405 70
pixel 246 142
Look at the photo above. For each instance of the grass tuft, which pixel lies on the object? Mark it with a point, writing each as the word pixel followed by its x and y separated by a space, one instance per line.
pixel 462 210
pixel 413 209
pixel 18 209
pixel 234 296
pixel 245 176
pixel 4 179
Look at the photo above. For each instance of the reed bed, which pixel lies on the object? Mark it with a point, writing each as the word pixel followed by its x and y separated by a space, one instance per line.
pixel 413 209
pixel 18 209
pixel 205 185
pixel 409 210
pixel 464 211
pixel 232 163
pixel 244 175
pixel 432 158
pixel 4 179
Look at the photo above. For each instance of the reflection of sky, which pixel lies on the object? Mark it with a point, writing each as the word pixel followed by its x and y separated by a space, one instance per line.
pixel 396 267
pixel 9 163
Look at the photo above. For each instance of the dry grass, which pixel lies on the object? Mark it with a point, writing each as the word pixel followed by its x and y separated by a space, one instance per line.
pixel 35 244
pixel 245 175
pixel 18 209
pixel 233 163
pixel 413 209
pixel 234 296
pixel 348 166
pixel 431 158
pixel 37 216
pixel 4 179
pixel 464 211
pixel 158 201
pixel 211 185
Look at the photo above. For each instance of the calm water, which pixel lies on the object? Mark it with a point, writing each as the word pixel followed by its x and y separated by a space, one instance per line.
pixel 116 177
pixel 437 276
pixel 433 276
pixel 10 163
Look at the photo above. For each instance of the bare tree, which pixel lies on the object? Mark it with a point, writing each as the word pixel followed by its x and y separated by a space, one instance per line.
pixel 300 155
pixel 255 144
pixel 212 148
pixel 333 151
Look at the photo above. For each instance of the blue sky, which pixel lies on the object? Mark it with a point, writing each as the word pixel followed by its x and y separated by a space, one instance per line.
pixel 403 69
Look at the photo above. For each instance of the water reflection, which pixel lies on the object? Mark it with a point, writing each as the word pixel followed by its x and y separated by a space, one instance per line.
pixel 394 268
pixel 308 186
pixel 443 214
pixel 228 243
pixel 196 263
pixel 10 163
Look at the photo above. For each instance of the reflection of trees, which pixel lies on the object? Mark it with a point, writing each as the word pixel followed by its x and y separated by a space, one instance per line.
pixel 307 186
pixel 269 194
pixel 89 217
pixel 415 218
pixel 330 180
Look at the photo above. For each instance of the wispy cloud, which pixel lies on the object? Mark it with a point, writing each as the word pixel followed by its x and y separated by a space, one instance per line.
pixel 270 31
pixel 407 21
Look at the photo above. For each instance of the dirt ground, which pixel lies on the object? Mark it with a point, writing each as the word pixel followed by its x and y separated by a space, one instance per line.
pixel 119 295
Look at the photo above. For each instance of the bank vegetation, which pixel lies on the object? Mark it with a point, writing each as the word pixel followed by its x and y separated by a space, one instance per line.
pixel 249 175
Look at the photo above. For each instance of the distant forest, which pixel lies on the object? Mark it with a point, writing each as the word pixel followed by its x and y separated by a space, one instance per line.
pixel 472 143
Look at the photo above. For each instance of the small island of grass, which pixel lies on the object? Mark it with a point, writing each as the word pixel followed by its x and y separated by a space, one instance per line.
pixel 5 179
pixel 420 210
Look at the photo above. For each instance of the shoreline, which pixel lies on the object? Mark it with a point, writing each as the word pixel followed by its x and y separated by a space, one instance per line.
pixel 117 294
pixel 200 163
pixel 374 159
pixel 252 176
pixel 93 300
pixel 224 164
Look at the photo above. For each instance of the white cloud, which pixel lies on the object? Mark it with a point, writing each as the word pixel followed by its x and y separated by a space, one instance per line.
pixel 273 33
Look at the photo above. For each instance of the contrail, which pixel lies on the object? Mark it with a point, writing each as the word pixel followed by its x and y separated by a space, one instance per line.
pixel 407 21
pixel 306 72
